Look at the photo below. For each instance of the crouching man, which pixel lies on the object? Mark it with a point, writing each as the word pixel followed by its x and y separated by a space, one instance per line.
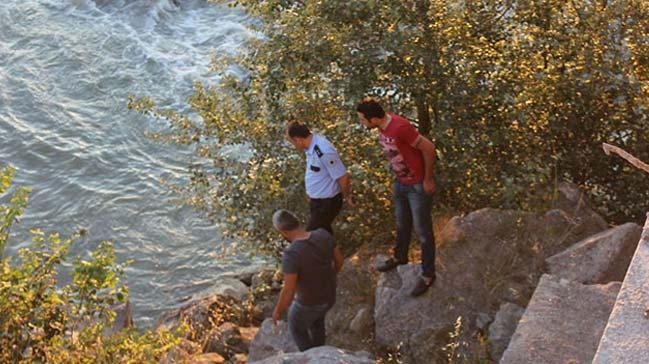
pixel 309 265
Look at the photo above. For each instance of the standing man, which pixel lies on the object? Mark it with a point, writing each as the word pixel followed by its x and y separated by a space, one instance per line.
pixel 412 158
pixel 309 265
pixel 326 179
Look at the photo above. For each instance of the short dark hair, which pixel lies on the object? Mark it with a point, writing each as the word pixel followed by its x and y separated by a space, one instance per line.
pixel 298 130
pixel 285 220
pixel 370 108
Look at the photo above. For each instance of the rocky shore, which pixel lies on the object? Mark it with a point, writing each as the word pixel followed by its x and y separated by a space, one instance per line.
pixel 498 274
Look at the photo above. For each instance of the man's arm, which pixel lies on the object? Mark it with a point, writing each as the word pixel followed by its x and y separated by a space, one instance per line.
pixel 285 296
pixel 428 151
pixel 345 187
pixel 338 260
pixel 337 171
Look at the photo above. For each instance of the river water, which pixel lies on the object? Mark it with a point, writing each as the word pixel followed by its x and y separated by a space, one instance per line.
pixel 66 69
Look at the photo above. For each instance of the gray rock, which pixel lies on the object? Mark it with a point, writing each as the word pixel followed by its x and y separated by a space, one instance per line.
pixel 270 341
pixel 484 258
pixel 246 272
pixel 225 340
pixel 482 321
pixel 231 287
pixel 574 202
pixel 601 258
pixel 263 280
pixel 502 329
pixel 319 355
pixel 417 327
pixel 562 323
pixel 349 322
pixel 626 337
pixel 199 314
pixel 363 320
pixel 264 308
pixel 379 259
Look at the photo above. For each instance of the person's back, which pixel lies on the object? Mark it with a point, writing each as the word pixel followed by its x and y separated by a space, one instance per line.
pixel 309 267
pixel 311 259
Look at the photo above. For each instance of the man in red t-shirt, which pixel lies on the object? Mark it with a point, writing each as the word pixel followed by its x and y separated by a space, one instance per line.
pixel 412 158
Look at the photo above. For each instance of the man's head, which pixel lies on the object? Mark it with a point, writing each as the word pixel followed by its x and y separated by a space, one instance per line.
pixel 286 223
pixel 370 113
pixel 299 135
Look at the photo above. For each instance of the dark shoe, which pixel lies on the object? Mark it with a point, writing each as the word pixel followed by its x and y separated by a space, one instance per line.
pixel 421 287
pixel 388 265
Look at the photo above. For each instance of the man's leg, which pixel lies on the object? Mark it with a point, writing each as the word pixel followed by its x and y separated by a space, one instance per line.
pixel 404 228
pixel 298 325
pixel 421 205
pixel 323 212
pixel 317 330
pixel 403 216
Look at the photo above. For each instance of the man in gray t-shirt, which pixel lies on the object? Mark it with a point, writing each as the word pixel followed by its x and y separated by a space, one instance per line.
pixel 309 265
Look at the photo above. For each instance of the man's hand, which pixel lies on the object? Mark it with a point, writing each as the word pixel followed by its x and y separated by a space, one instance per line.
pixel 429 186
pixel 276 316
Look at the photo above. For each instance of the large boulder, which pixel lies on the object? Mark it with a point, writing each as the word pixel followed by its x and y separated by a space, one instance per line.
pixel 319 355
pixel 209 311
pixel 484 259
pixel 226 340
pixel 562 323
pixel 625 339
pixel 601 258
pixel 271 340
pixel 418 327
pixel 349 323
pixel 231 287
pixel 502 329
pixel 572 200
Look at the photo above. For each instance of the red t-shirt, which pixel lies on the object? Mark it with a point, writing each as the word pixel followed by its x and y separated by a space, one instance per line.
pixel 406 161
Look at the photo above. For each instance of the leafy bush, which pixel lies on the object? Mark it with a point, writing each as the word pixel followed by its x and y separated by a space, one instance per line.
pixel 44 321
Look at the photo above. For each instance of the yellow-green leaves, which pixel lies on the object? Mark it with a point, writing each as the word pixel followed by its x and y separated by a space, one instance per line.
pixel 44 320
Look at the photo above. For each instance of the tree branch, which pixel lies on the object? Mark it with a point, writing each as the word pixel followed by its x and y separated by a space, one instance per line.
pixel 608 148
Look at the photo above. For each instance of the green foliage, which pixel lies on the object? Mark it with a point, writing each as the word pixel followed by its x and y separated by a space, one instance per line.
pixel 515 94
pixel 17 203
pixel 44 321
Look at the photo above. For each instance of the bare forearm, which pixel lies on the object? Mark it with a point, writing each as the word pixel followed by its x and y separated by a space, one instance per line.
pixel 285 299
pixel 429 164
pixel 345 185
pixel 427 149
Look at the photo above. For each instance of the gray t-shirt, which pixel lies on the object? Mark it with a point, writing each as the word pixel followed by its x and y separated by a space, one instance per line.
pixel 312 260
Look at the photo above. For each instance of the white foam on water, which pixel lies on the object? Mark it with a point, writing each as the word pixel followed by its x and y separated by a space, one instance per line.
pixel 66 69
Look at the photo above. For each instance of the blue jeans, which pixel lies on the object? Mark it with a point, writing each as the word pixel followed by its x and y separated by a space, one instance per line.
pixel 307 324
pixel 413 208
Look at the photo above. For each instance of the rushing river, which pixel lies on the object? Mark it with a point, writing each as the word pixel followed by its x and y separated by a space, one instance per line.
pixel 66 69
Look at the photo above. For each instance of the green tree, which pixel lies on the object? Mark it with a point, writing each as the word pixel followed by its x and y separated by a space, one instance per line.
pixel 515 94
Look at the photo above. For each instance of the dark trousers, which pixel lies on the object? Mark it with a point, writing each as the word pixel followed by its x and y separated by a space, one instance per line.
pixel 323 212
pixel 307 324
pixel 413 209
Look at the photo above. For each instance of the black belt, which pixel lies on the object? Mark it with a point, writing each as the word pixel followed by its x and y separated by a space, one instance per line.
pixel 339 195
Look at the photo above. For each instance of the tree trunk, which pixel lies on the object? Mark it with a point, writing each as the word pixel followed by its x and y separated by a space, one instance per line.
pixel 423 115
